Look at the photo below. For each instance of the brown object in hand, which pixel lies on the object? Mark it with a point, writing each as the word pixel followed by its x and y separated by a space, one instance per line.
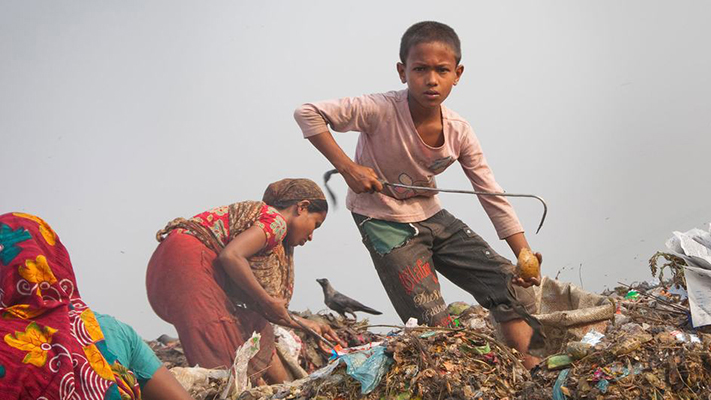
pixel 527 266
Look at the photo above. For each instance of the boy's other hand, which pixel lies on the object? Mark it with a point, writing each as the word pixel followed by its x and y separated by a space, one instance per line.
pixel 361 179
pixel 531 281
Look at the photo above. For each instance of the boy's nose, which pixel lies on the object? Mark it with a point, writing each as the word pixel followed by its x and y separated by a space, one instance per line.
pixel 432 79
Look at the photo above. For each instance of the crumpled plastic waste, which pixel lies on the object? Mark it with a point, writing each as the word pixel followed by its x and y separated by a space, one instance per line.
pixel 367 367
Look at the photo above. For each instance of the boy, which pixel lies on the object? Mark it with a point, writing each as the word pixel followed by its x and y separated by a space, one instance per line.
pixel 408 137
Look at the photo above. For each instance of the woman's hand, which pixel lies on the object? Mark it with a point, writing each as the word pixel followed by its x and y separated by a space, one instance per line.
pixel 274 310
pixel 325 331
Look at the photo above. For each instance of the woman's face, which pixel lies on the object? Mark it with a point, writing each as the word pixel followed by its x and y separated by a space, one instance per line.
pixel 302 227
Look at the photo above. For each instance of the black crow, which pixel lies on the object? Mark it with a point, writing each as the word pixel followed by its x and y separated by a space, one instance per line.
pixel 341 303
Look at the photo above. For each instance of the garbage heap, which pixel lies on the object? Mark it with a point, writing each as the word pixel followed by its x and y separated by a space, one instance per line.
pixel 646 349
pixel 650 351
pixel 415 363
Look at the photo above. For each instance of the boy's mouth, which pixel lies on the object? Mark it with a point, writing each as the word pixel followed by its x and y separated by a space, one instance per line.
pixel 431 94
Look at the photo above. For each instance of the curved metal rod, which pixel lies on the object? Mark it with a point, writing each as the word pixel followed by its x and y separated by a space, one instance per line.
pixel 329 173
pixel 476 192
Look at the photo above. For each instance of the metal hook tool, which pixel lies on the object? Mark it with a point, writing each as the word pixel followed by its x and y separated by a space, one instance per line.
pixel 328 174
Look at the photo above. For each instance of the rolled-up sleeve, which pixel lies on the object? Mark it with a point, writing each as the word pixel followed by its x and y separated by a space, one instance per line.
pixel 476 168
pixel 359 114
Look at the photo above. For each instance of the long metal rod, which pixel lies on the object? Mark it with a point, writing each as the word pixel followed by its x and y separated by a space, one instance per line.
pixel 327 177
pixel 476 192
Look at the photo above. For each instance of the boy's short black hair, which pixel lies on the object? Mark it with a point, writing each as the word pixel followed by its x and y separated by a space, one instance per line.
pixel 429 31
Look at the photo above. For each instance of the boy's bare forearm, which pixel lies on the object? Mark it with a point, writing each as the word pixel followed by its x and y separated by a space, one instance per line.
pixel 517 242
pixel 326 144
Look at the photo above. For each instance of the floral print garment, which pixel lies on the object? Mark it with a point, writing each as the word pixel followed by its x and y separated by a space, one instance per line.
pixel 269 220
pixel 273 266
pixel 51 345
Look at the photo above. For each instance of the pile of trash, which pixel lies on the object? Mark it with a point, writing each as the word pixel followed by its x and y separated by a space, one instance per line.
pixel 647 349
pixel 413 363
pixel 354 333
pixel 650 351
pixel 645 340
pixel 169 351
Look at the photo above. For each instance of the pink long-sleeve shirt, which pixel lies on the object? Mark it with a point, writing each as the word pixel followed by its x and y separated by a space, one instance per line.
pixel 391 146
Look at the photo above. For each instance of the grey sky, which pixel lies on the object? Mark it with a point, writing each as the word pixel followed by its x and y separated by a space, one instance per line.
pixel 118 116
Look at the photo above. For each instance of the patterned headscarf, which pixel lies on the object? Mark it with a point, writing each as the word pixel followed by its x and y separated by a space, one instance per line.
pixel 287 190
pixel 52 346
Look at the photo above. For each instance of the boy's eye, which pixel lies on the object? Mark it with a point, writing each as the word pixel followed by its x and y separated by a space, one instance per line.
pixel 419 68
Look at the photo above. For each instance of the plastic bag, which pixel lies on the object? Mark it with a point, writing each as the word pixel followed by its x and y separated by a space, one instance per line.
pixel 367 367
pixel 239 379
pixel 195 378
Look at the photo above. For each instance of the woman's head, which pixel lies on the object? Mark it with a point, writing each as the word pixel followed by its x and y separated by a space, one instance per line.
pixel 303 205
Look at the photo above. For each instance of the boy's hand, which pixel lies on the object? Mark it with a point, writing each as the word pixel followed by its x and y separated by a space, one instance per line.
pixel 517 280
pixel 361 179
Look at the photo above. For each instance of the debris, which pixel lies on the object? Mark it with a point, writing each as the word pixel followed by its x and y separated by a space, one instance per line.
pixel 239 379
pixel 650 350
pixel 171 354
pixel 367 367
pixel 592 338
pixel 632 295
pixel 201 383
pixel 567 313
pixel 559 361
pixel 653 356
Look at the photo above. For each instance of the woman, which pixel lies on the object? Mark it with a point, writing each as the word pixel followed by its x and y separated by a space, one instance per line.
pixel 53 346
pixel 228 272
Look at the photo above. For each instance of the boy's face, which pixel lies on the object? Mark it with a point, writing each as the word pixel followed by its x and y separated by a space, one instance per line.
pixel 430 71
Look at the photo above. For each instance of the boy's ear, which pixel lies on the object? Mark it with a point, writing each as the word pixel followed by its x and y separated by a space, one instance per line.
pixel 459 71
pixel 401 72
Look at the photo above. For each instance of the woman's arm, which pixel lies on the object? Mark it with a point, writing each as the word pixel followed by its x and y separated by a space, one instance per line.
pixel 164 386
pixel 234 260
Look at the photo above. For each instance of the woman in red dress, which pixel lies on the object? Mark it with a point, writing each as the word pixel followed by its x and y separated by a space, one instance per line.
pixel 228 272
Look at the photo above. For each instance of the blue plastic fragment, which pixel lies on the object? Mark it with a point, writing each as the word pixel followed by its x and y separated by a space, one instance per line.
pixel 602 385
pixel 368 367
pixel 559 383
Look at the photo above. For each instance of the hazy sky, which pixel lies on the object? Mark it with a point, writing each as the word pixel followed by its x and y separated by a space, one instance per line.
pixel 118 116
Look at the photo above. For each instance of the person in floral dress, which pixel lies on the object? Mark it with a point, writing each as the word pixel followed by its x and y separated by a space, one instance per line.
pixel 228 272
pixel 53 346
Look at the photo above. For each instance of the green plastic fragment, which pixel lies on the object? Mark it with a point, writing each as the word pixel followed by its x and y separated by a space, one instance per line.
pixel 486 349
pixel 559 361
pixel 632 295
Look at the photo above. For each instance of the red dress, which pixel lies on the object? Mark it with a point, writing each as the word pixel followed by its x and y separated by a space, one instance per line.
pixel 186 290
